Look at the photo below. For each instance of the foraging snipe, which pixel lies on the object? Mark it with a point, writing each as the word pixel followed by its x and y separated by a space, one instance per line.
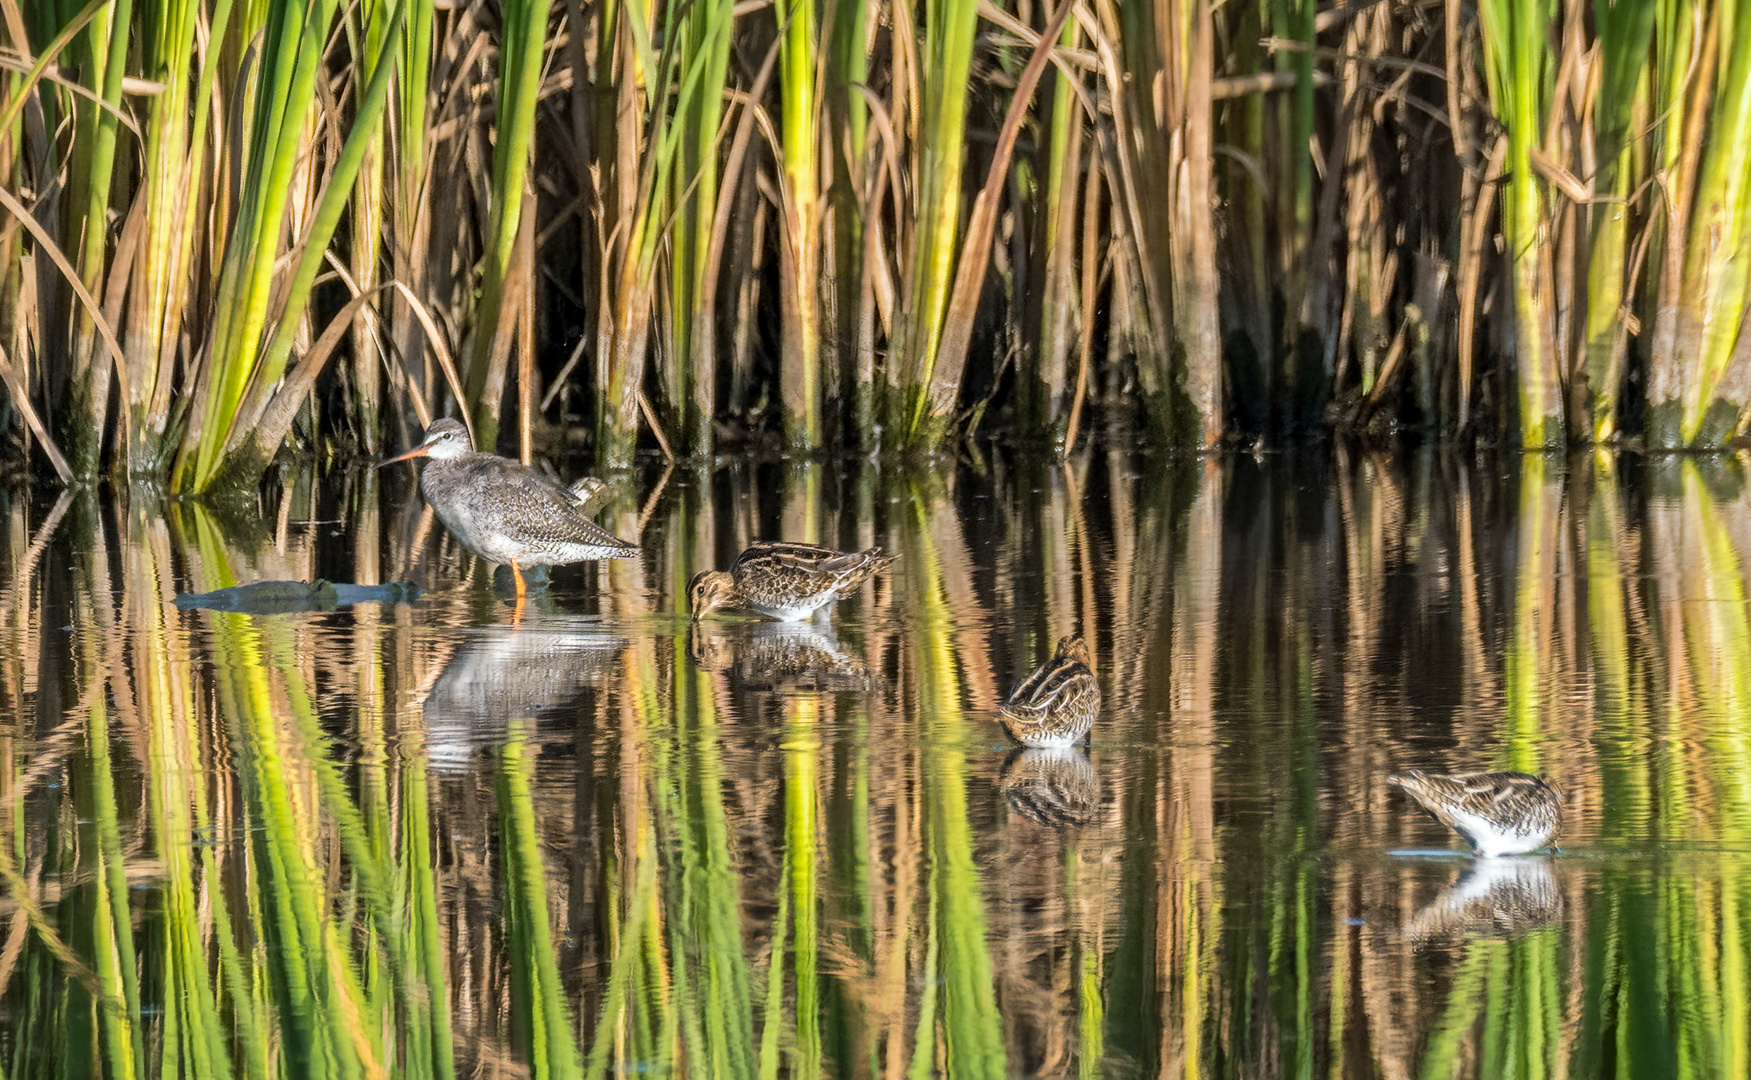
pixel 504 511
pixel 1498 813
pixel 1058 701
pixel 785 581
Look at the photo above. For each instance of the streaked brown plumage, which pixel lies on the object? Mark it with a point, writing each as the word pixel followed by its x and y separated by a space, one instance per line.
pixel 784 581
pixel 1497 813
pixel 1058 701
pixel 504 511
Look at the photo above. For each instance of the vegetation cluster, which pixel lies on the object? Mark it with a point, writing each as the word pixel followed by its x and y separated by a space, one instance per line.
pixel 231 223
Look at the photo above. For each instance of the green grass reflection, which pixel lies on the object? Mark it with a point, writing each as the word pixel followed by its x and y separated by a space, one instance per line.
pixel 230 848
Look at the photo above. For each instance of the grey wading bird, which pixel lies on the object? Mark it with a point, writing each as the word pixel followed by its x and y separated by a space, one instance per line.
pixel 504 511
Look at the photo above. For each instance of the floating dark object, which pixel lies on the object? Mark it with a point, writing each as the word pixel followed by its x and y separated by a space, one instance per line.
pixel 283 597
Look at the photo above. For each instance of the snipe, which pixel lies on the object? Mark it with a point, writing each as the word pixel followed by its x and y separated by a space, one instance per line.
pixel 1058 701
pixel 784 581
pixel 1497 813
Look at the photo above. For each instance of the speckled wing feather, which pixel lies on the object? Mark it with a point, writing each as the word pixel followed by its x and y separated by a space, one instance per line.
pixel 1485 807
pixel 539 518
pixel 1056 703
pixel 1054 686
pixel 783 574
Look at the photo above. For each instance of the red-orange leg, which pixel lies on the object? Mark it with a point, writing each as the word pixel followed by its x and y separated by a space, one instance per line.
pixel 522 591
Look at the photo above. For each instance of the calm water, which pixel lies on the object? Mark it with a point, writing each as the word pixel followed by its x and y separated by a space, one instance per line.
pixel 412 838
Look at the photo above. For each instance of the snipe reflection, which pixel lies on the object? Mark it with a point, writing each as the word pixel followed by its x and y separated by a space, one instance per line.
pixel 1051 787
pixel 1503 897
pixel 800 656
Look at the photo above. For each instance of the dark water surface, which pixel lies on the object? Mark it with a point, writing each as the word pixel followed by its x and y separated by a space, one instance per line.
pixel 412 838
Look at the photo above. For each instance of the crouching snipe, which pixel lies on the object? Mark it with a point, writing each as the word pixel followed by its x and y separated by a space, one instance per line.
pixel 1058 701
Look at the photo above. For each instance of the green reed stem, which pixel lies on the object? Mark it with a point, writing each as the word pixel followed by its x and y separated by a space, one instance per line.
pixel 801 826
pixel 1524 673
pixel 800 378
pixel 1717 280
pixel 539 1011
pixel 971 1025
pixel 289 924
pixel 112 927
pixel 285 86
pixel 946 56
pixel 520 56
pixel 93 163
pixel 200 1037
pixel 171 161
pixel 244 459
pixel 772 1011
pixel 1519 68
pixel 721 1006
pixel 418 875
pixel 690 368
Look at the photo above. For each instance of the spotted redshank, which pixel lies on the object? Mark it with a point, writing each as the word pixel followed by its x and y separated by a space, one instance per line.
pixel 785 581
pixel 1058 701
pixel 506 512
pixel 1498 813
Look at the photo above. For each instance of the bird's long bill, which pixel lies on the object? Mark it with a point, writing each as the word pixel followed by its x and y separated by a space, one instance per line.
pixel 419 451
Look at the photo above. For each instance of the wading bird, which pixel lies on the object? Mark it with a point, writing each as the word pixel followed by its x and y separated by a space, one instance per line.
pixel 784 581
pixel 504 511
pixel 1498 813
pixel 1058 701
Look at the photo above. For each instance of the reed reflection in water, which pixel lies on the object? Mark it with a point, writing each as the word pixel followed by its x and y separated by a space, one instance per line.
pixel 408 839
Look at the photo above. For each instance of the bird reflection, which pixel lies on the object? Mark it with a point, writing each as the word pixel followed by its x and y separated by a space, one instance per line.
pixel 778 655
pixel 1496 898
pixel 1051 787
pixel 506 671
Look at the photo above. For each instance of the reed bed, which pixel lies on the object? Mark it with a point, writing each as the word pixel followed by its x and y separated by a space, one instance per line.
pixel 230 230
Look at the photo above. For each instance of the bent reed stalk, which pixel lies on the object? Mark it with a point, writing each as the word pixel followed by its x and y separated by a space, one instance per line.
pixel 1372 220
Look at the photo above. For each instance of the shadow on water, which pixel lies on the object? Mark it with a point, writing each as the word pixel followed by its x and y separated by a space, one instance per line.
pixel 409 838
